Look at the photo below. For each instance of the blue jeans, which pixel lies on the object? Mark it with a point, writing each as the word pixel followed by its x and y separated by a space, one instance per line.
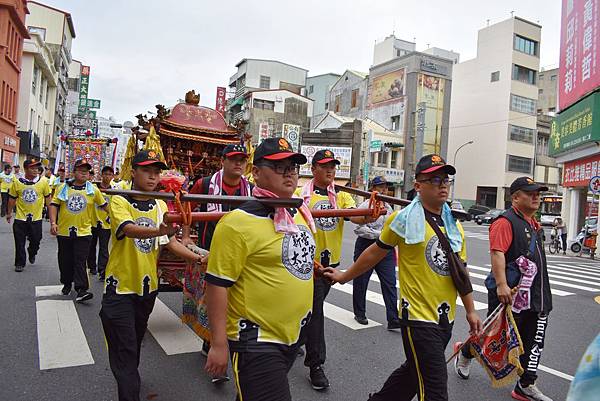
pixel 386 270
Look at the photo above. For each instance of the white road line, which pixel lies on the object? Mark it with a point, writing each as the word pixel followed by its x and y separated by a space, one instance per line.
pixel 559 293
pixel 61 341
pixel 569 271
pixel 586 270
pixel 555 372
pixel 47 290
pixel 172 335
pixel 342 316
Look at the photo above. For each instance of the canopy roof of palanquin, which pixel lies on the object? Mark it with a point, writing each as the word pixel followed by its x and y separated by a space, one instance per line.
pixel 196 123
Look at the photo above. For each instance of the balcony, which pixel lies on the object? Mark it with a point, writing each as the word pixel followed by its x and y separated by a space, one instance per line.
pixel 30 143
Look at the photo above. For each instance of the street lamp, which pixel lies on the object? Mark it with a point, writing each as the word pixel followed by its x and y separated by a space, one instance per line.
pixel 454 163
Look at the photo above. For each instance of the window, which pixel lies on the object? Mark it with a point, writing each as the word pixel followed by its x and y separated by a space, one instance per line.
pixel 46 101
pixel 43 87
pixel 540 91
pixel 383 158
pixel 38 30
pixel 395 123
pixel 495 76
pixel 552 109
pixel 518 164
pixel 552 77
pixel 542 145
pixel 523 74
pixel 326 106
pixel 265 82
pixel 354 98
pixel 311 89
pixel 520 134
pixel 522 104
pixel 34 80
pixel 31 119
pixel 394 158
pixel 525 45
pixel 264 104
pixel 337 103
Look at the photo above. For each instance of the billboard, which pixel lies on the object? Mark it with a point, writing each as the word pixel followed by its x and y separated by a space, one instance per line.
pixel 387 87
pixel 430 112
pixel 579 71
pixel 220 100
pixel 343 154
pixel 291 132
pixel 577 173
pixel 576 126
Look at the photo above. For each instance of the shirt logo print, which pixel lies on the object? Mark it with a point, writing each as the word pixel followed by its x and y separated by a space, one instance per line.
pixel 436 258
pixel 76 203
pixel 325 223
pixel 29 195
pixel 144 245
pixel 298 253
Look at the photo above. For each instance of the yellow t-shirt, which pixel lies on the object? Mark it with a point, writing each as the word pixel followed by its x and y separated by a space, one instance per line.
pixel 132 262
pixel 6 181
pixel 30 196
pixel 76 213
pixel 330 230
pixel 268 275
pixel 427 293
pixel 101 216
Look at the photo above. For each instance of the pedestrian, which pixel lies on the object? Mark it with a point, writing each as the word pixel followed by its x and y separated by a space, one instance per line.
pixel 427 290
pixel 6 180
pixel 59 179
pixel 514 234
pixel 561 231
pixel 319 193
pixel 260 272
pixel 17 171
pixel 30 194
pixel 71 212
pixel 131 285
pixel 229 181
pixel 98 254
pixel 367 235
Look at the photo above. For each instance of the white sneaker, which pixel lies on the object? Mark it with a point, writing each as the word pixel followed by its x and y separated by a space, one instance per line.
pixel 462 365
pixel 529 393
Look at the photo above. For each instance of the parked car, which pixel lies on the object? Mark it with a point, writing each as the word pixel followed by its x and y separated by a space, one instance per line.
pixel 457 205
pixel 489 217
pixel 476 210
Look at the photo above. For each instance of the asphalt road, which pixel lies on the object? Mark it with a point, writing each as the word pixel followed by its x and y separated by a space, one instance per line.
pixel 359 360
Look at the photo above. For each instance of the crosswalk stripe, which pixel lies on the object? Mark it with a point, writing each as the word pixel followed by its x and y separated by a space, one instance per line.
pixel 588 279
pixel 555 291
pixel 172 335
pixel 61 340
pixel 565 270
pixel 344 317
pixel 47 290
pixel 585 270
pixel 563 276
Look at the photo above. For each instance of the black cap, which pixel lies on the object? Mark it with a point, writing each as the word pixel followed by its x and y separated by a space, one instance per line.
pixel 430 163
pixel 526 184
pixel 232 150
pixel 82 163
pixel 32 162
pixel 107 168
pixel 277 149
pixel 148 157
pixel 324 156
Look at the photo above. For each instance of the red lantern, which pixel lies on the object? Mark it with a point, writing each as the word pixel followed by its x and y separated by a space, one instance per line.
pixel 88 133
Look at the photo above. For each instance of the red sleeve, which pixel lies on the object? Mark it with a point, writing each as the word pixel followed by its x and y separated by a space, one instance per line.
pixel 196 189
pixel 500 235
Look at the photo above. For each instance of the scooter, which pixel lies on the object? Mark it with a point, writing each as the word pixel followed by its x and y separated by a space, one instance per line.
pixel 578 243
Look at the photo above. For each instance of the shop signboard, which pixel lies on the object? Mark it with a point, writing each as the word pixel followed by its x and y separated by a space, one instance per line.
pixel 343 154
pixel 577 125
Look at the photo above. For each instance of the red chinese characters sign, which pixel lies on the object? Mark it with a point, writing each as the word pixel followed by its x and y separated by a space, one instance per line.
pixel 220 106
pixel 577 173
pixel 579 53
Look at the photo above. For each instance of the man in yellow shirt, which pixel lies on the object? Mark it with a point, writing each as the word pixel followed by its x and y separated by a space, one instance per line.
pixel 260 272
pixel 30 194
pixel 71 213
pixel 427 292
pixel 100 229
pixel 131 285
pixel 6 179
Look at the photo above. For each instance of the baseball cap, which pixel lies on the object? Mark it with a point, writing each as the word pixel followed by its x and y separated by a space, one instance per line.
pixel 526 184
pixel 277 149
pixel 234 149
pixel 378 180
pixel 81 163
pixel 430 163
pixel 31 163
pixel 148 157
pixel 324 156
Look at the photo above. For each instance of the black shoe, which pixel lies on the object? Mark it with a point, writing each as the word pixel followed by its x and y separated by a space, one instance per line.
pixel 31 259
pixel 83 296
pixel 318 380
pixel 66 290
pixel 101 277
pixel 219 379
pixel 361 320
pixel 19 268
pixel 300 353
pixel 93 272
pixel 394 325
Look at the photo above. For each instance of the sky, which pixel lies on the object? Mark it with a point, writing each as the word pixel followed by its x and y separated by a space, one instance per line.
pixel 148 52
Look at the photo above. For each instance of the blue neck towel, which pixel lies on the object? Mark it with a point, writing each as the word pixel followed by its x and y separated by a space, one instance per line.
pixel 63 194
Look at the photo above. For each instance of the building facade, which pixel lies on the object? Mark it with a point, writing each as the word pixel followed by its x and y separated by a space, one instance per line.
pixel 317 89
pixel 494 111
pixel 348 95
pixel 390 48
pixel 37 104
pixel 13 32
pixel 547 171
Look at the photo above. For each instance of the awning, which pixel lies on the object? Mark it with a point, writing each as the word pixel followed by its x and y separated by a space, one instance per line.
pixel 238 101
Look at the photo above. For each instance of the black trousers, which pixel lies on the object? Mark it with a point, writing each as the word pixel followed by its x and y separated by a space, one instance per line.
pixel 262 376
pixel 125 320
pixel 100 237
pixel 4 203
pixel 532 329
pixel 386 270
pixel 316 350
pixel 24 231
pixel 424 373
pixel 72 254
pixel 563 238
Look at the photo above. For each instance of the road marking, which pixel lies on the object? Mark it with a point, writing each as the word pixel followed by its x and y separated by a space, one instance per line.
pixel 61 341
pixel 342 316
pixel 571 272
pixel 586 270
pixel 597 299
pixel 555 372
pixel 172 335
pixel 47 290
pixel 555 291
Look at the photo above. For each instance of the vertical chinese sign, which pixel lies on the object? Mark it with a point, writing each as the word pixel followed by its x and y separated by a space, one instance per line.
pixel 220 101
pixel 83 88
pixel 579 72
